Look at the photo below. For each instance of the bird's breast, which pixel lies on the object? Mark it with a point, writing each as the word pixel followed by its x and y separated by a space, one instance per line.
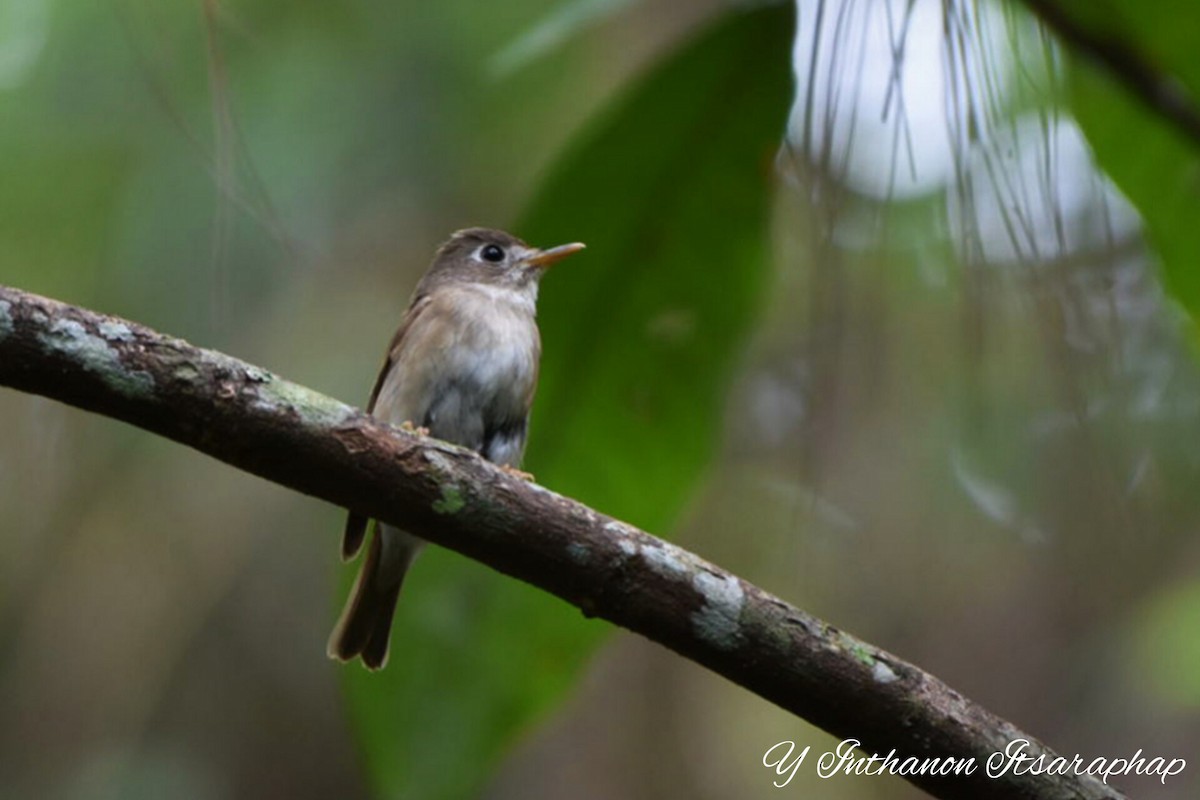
pixel 468 367
pixel 497 346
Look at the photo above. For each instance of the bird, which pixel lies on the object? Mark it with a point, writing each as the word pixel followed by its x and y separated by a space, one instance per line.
pixel 462 367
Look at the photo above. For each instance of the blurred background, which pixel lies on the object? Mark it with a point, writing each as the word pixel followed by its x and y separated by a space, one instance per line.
pixel 886 307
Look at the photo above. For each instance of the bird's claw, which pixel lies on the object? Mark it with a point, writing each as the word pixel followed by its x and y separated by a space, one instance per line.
pixel 409 427
pixel 517 473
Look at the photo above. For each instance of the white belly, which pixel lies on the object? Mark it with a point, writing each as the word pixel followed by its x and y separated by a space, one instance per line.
pixel 480 344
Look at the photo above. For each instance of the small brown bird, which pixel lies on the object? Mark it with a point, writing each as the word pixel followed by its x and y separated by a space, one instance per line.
pixel 464 365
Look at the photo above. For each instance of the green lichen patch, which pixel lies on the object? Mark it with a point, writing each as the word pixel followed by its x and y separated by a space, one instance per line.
pixel 258 375
pixel 312 407
pixel 186 373
pixel 861 652
pixel 451 501
pixel 115 331
pixel 72 339
pixel 719 620
pixel 664 560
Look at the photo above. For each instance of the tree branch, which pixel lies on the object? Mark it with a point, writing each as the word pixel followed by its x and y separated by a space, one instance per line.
pixel 1159 91
pixel 260 423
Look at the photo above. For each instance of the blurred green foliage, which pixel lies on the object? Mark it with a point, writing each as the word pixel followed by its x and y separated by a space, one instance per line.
pixel 671 189
pixel 1165 647
pixel 1153 162
pixel 1158 167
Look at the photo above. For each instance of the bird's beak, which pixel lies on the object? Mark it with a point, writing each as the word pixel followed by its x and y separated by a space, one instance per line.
pixel 544 258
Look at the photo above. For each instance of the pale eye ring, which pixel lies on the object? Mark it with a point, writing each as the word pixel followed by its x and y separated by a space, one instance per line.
pixel 493 253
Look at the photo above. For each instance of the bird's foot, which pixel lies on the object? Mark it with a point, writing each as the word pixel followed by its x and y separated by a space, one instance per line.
pixel 409 427
pixel 516 473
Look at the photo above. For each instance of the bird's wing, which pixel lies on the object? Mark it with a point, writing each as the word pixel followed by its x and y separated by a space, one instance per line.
pixel 414 312
pixel 356 524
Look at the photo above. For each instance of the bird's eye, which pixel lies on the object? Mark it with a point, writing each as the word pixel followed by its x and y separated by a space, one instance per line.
pixel 493 253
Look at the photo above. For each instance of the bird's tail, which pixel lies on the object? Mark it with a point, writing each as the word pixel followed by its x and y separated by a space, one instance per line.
pixel 366 622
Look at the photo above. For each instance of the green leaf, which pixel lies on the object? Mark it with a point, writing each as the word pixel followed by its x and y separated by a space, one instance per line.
pixel 1152 163
pixel 1162 647
pixel 671 190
